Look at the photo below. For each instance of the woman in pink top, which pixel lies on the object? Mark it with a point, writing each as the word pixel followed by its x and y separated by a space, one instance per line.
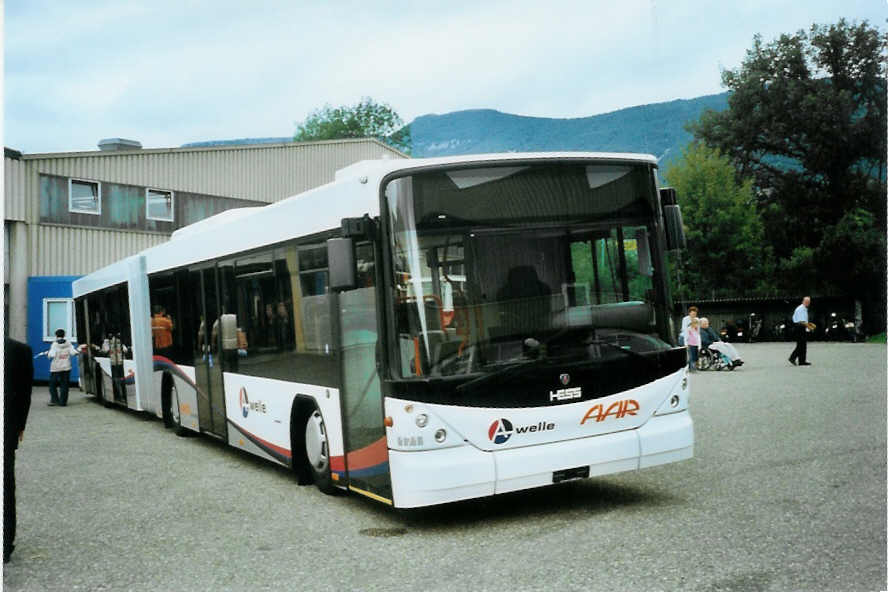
pixel 693 341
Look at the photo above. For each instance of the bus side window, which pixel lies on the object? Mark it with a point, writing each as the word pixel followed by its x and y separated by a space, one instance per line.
pixel 226 328
pixel 196 330
pixel 165 317
pixel 307 267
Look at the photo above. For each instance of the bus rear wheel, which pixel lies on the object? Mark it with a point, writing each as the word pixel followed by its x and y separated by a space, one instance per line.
pixel 317 451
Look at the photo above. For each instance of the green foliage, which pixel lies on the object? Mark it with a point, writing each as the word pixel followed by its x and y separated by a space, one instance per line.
pixel 606 255
pixel 367 119
pixel 726 256
pixel 879 338
pixel 806 121
pixel 853 250
pixel 797 270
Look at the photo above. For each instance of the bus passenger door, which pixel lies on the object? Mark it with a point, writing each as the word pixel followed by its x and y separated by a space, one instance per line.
pixel 207 357
pixel 362 410
pixel 86 363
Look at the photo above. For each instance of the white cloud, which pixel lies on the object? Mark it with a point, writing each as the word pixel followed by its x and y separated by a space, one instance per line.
pixel 167 71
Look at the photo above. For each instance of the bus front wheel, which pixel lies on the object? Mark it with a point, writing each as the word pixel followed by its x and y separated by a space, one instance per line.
pixel 317 451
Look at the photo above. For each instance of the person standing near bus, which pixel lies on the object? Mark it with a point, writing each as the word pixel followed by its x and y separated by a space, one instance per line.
pixel 685 323
pixel 60 352
pixel 18 373
pixel 692 336
pixel 800 326
pixel 162 331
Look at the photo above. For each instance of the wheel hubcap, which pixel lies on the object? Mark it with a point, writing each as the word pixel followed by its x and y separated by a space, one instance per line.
pixel 316 441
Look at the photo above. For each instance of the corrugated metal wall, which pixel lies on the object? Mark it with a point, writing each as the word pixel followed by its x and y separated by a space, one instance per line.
pixel 258 173
pixel 266 173
pixel 65 250
pixel 14 189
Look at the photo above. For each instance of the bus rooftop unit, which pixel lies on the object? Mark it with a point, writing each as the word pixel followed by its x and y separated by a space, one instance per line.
pixel 417 331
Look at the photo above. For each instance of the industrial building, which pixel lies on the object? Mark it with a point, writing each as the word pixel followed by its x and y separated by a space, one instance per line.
pixel 67 214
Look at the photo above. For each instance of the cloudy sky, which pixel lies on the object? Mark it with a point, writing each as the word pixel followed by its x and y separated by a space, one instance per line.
pixel 166 72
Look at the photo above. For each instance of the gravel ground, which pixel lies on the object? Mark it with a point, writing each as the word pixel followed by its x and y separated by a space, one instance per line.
pixel 787 491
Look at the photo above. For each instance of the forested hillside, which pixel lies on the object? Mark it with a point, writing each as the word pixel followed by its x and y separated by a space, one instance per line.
pixel 656 129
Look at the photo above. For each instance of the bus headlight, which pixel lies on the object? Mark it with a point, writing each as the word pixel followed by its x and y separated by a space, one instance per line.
pixel 440 435
pixel 422 420
pixel 676 401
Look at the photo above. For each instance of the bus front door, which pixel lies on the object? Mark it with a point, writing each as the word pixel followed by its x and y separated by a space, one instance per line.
pixel 362 410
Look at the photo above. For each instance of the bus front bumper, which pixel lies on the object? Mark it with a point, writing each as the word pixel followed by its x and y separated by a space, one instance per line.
pixel 464 472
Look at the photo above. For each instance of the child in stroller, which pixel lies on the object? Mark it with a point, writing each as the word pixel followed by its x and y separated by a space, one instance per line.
pixel 716 354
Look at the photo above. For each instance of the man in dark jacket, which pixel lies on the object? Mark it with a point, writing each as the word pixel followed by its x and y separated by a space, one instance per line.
pixel 18 373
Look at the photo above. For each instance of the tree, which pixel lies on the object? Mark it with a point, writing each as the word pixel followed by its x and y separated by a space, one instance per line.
pixel 367 119
pixel 806 120
pixel 726 255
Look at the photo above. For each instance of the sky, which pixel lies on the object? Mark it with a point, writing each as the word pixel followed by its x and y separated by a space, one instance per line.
pixel 167 72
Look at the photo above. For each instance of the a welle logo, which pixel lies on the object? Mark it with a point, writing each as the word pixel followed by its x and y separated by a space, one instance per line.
pixel 501 430
pixel 247 405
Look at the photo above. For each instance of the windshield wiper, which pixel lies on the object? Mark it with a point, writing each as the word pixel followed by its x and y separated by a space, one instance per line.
pixel 622 349
pixel 532 343
pixel 510 370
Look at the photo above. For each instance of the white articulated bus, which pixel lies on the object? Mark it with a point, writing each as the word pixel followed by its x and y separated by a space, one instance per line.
pixel 417 331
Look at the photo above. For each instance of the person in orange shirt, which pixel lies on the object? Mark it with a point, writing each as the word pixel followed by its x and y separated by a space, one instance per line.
pixel 161 330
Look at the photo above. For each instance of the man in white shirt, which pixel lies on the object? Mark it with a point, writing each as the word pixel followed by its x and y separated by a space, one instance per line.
pixel 800 326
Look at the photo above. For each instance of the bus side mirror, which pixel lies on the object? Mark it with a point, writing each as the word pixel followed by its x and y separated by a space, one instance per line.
pixel 675 235
pixel 644 253
pixel 341 262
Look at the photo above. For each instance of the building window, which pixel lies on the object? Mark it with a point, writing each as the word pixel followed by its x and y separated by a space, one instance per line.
pixel 159 205
pixel 84 197
pixel 58 313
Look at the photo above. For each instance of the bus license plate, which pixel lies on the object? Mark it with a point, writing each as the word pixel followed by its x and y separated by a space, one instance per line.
pixel 568 474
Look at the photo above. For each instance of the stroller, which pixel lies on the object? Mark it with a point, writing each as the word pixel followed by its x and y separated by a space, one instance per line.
pixel 720 355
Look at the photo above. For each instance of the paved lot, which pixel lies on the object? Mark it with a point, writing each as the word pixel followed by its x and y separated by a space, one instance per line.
pixel 787 491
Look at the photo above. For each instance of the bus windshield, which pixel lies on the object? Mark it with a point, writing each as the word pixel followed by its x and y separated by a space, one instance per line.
pixel 499 267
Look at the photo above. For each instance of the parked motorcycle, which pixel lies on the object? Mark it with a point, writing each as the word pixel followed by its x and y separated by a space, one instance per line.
pixel 837 328
pixel 782 330
pixel 734 331
pixel 755 327
pixel 742 333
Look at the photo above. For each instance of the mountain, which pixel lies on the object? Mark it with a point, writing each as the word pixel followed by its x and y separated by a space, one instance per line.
pixel 656 129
